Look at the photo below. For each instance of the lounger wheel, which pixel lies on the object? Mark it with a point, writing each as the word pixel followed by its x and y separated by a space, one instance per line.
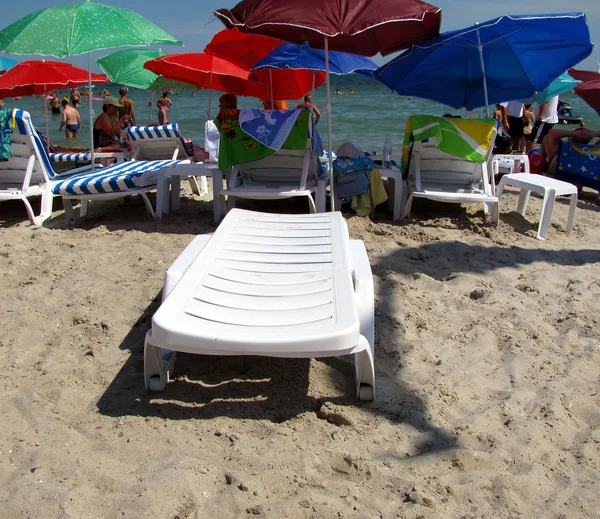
pixel 155 384
pixel 365 393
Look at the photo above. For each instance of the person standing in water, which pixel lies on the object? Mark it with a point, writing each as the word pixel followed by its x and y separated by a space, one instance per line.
pixel 70 120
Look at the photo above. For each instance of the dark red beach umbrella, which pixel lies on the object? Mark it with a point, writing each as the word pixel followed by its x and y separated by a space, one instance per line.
pixel 364 27
pixel 589 88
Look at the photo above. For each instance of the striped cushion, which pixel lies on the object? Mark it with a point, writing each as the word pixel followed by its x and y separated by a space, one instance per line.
pixel 70 157
pixel 122 176
pixel 136 133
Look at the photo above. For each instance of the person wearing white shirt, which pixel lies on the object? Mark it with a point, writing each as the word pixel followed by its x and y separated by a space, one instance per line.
pixel 514 116
pixel 546 116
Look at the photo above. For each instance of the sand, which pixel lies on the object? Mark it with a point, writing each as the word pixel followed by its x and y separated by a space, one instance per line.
pixel 487 361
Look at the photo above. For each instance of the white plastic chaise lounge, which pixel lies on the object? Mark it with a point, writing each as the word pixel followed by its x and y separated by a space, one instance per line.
pixel 161 143
pixel 29 173
pixel 439 172
pixel 284 174
pixel 270 285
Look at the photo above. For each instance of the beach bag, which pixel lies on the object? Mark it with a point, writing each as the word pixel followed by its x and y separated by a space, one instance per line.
pixel 351 171
pixel 351 183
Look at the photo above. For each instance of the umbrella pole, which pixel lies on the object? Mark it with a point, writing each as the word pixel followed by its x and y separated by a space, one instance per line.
pixel 271 88
pixel 47 124
pixel 485 91
pixel 330 142
pixel 151 108
pixel 91 99
pixel 209 96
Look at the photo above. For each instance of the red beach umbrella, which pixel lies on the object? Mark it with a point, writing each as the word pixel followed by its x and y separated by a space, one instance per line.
pixel 589 88
pixel 363 27
pixel 245 50
pixel 35 77
pixel 206 71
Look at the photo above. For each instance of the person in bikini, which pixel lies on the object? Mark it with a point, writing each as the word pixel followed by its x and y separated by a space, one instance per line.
pixel 127 105
pixel 70 120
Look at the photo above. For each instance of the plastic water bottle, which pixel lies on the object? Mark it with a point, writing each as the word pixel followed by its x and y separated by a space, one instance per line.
pixel 387 153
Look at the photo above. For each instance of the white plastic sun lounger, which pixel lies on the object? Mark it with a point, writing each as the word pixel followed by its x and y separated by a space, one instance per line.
pixel 267 284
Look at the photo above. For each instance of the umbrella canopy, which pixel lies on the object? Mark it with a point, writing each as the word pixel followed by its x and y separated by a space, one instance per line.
pixel 68 29
pixel 37 77
pixel 287 83
pixel 507 58
pixel 206 71
pixel 7 63
pixel 560 85
pixel 293 56
pixel 589 89
pixel 363 27
pixel 127 67
pixel 245 50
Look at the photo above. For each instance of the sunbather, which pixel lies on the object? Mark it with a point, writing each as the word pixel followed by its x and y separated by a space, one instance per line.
pixel 550 143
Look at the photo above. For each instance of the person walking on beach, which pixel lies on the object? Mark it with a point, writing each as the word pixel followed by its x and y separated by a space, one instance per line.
pixel 308 105
pixel 75 97
pixel 546 116
pixel 127 105
pixel 514 123
pixel 70 120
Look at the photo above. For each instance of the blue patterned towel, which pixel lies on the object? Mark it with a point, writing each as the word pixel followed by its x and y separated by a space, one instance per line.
pixel 6 128
pixel 269 127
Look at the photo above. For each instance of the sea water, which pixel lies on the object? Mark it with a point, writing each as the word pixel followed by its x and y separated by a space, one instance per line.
pixel 365 118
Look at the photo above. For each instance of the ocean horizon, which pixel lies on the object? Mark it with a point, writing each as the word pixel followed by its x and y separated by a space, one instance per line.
pixel 365 118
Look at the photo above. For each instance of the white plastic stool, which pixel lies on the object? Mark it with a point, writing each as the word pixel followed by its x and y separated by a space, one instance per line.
pixel 546 186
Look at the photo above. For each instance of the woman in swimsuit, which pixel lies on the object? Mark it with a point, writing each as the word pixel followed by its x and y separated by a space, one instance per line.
pixel 107 126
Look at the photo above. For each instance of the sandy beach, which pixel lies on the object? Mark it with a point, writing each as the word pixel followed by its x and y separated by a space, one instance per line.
pixel 487 361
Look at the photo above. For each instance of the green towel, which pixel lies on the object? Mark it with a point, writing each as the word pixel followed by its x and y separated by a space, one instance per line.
pixel 237 147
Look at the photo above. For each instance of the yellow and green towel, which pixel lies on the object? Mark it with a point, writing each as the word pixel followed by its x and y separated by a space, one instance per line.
pixel 468 139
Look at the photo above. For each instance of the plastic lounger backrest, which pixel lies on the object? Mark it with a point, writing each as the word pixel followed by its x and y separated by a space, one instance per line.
pixel 283 167
pixel 442 171
pixel 157 142
pixel 26 147
pixel 579 164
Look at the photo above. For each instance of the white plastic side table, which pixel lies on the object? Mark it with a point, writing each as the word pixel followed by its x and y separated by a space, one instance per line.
pixel 550 188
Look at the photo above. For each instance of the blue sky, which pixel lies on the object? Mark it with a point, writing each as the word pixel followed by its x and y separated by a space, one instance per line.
pixel 192 22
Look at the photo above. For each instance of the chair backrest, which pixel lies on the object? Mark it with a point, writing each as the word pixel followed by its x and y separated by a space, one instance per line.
pixel 29 164
pixel 157 142
pixel 431 168
pixel 286 167
pixel 579 164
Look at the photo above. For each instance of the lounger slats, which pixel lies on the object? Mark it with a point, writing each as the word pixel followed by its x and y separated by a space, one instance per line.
pixel 278 248
pixel 238 282
pixel 275 241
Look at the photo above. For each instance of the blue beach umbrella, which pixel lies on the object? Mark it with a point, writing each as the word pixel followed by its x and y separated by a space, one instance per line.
pixel 288 55
pixel 560 85
pixel 510 57
pixel 7 63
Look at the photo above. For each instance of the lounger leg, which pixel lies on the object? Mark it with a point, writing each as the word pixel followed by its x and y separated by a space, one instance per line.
pixel 69 211
pixel 547 208
pixel 572 206
pixel 408 206
pixel 46 208
pixel 203 185
pixel 364 296
pixel 158 365
pixel 311 205
pixel 149 207
pixel 194 185
pixel 83 208
pixel 175 200
pixel 495 212
pixel 523 200
pixel 321 196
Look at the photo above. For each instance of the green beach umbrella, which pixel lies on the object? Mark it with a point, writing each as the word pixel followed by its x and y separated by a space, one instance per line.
pixel 126 67
pixel 70 29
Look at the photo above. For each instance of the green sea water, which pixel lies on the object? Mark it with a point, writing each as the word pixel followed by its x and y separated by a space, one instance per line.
pixel 366 118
